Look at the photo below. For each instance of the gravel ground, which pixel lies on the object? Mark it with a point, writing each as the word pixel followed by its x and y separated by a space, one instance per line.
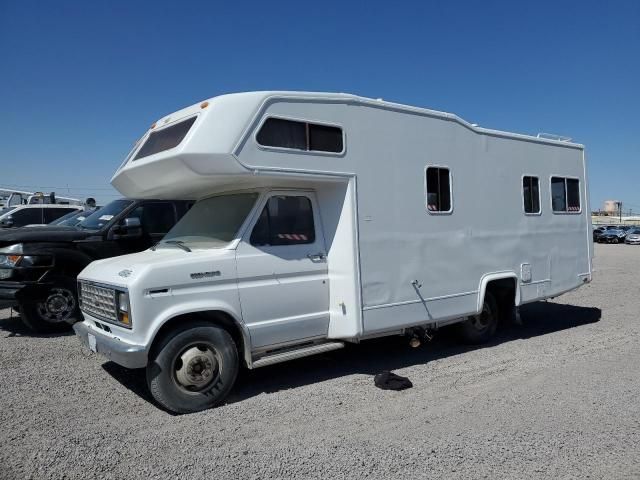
pixel 555 398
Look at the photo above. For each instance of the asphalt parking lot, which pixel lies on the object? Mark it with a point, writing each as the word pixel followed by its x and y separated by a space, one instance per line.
pixel 555 398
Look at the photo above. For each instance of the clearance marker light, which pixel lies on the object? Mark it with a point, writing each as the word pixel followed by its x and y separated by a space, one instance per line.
pixel 204 104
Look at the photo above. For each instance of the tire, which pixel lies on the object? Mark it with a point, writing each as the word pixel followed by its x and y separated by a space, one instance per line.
pixel 479 329
pixel 193 368
pixel 615 240
pixel 54 310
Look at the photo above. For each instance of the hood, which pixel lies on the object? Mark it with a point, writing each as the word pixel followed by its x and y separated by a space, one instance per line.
pixel 160 268
pixel 45 233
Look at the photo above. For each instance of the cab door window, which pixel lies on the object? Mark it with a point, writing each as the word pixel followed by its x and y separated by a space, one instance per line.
pixel 156 218
pixel 285 220
pixel 51 214
pixel 27 216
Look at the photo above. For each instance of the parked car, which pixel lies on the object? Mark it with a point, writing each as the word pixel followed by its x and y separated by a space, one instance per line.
pixel 616 235
pixel 23 215
pixel 597 231
pixel 39 265
pixel 633 237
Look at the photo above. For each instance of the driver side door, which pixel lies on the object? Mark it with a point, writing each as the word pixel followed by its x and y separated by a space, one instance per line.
pixel 282 272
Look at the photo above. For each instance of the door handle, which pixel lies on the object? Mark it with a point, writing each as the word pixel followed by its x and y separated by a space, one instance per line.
pixel 316 257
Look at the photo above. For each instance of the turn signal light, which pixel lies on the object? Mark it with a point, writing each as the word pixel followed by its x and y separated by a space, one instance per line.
pixel 204 104
pixel 124 318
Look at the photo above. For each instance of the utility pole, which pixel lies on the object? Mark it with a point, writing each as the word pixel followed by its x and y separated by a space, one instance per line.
pixel 619 205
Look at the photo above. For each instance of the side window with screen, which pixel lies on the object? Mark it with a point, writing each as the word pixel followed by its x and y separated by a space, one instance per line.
pixel 531 194
pixel 278 132
pixel 565 195
pixel 438 190
pixel 285 220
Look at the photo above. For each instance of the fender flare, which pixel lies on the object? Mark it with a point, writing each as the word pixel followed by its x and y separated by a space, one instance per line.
pixel 74 260
pixel 202 307
pixel 489 277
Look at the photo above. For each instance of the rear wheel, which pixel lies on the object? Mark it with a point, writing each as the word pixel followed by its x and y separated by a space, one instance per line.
pixel 193 368
pixel 479 329
pixel 54 310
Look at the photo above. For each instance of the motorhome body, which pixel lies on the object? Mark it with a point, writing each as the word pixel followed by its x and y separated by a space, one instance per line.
pixel 355 218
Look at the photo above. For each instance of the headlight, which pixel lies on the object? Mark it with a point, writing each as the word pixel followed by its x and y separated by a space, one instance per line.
pixel 9 258
pixel 123 308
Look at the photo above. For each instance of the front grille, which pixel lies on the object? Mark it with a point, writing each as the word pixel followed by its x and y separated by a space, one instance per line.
pixel 98 301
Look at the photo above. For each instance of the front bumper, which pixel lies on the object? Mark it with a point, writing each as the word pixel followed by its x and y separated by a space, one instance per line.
pixel 9 292
pixel 12 291
pixel 126 354
pixel 632 242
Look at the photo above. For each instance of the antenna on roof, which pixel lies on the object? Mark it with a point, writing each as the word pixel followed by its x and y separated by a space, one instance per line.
pixel 553 136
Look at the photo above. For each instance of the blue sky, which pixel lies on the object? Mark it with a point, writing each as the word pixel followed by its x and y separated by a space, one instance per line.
pixel 80 81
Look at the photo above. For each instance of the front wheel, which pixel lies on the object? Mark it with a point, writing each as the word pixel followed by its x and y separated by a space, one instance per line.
pixel 193 368
pixel 479 329
pixel 54 310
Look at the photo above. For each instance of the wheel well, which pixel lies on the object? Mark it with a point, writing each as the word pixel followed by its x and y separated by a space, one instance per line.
pixel 215 317
pixel 504 292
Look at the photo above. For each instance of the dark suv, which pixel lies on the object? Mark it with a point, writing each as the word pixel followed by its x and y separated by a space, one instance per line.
pixel 39 265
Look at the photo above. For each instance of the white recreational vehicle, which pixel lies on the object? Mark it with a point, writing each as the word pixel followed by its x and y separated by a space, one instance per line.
pixel 323 219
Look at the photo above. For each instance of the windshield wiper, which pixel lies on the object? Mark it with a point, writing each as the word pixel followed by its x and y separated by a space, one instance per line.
pixel 178 243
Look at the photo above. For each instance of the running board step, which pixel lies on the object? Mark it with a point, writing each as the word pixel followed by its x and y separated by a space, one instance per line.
pixel 298 353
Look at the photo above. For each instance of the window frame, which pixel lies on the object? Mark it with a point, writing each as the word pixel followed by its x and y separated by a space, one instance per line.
pixel 321 123
pixel 539 212
pixel 426 193
pixel 566 194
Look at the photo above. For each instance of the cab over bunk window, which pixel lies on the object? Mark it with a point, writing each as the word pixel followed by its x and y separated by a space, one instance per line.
pixel 565 195
pixel 277 132
pixel 165 139
pixel 438 190
pixel 285 220
pixel 531 194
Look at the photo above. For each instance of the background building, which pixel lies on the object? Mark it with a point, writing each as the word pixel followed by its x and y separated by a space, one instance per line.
pixel 612 207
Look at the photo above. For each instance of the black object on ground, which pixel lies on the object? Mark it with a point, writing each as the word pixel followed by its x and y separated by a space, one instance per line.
pixel 390 381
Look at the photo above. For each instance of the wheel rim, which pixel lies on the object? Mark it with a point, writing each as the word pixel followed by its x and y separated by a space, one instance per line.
pixel 58 306
pixel 483 321
pixel 196 367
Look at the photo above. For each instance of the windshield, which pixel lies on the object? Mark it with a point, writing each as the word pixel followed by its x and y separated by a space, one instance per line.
pixel 73 218
pixel 212 222
pixel 100 218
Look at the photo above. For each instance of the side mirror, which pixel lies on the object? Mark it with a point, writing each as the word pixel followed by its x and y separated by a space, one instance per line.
pixel 132 223
pixel 130 228
pixel 7 222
